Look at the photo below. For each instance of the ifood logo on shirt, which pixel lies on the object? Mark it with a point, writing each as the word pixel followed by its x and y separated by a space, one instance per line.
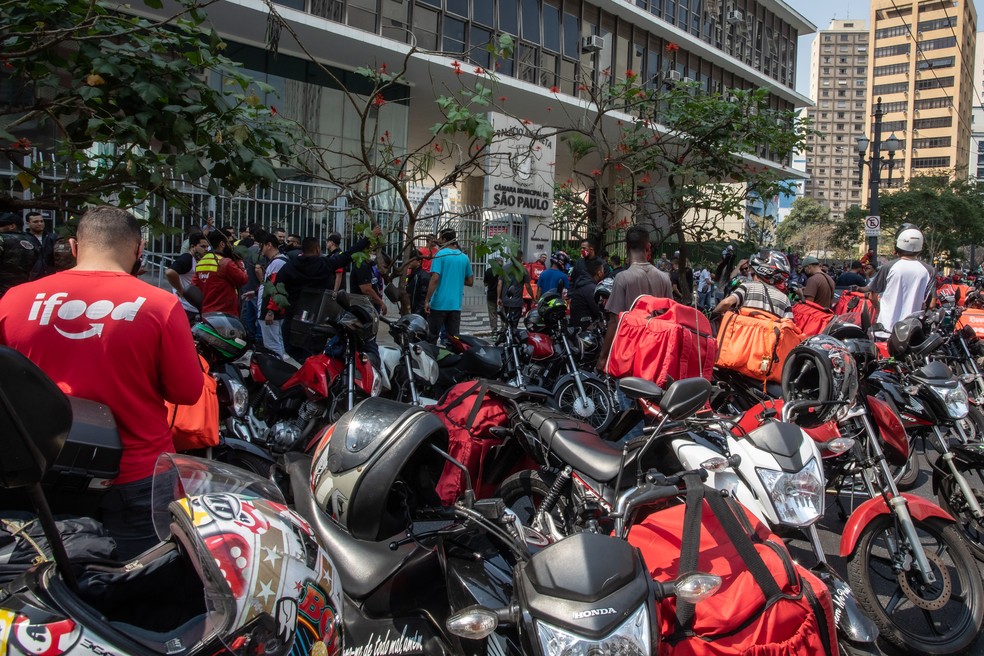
pixel 49 310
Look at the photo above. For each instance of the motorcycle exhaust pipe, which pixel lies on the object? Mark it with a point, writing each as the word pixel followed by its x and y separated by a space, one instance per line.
pixel 852 624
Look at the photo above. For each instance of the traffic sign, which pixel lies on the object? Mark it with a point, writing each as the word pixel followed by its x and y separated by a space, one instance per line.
pixel 872 226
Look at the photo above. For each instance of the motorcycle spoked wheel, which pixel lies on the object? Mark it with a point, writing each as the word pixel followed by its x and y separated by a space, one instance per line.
pixel 604 403
pixel 524 493
pixel 944 618
pixel 951 500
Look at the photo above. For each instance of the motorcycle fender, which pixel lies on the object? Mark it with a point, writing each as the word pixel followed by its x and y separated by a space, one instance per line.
pixel 235 444
pixel 569 378
pixel 389 358
pixel 316 374
pixel 919 508
pixel 851 621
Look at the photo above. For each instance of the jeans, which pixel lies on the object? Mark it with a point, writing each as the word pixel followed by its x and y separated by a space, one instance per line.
pixel 706 297
pixel 126 512
pixel 449 320
pixel 249 316
pixel 493 306
pixel 273 337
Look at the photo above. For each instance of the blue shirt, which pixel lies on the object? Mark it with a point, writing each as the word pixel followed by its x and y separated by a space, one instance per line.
pixel 547 282
pixel 454 268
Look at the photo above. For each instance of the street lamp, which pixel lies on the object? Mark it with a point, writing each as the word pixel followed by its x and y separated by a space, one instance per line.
pixel 875 163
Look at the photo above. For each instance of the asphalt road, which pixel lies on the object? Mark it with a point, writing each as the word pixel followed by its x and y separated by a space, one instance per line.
pixel 831 528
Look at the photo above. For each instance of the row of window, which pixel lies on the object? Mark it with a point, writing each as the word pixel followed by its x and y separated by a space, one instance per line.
pixel 891 69
pixel 935 83
pixel 927 103
pixel 921 65
pixel 891 51
pixel 930 162
pixel 937 122
pixel 938 44
pixel 888 32
pixel 932 142
pixel 886 89
pixel 937 24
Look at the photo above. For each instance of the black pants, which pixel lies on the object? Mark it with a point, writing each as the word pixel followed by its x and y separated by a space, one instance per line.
pixel 127 514
pixel 450 320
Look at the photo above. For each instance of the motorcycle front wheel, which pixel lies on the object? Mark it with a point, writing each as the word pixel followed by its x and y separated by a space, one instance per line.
pixel 952 500
pixel 524 493
pixel 568 401
pixel 942 618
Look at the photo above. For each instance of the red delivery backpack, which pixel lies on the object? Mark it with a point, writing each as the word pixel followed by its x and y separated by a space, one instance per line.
pixel 767 604
pixel 659 339
pixel 470 413
pixel 811 318
pixel 856 307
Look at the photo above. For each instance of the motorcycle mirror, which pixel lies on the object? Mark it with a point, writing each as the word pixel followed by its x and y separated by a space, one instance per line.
pixel 684 397
pixel 696 587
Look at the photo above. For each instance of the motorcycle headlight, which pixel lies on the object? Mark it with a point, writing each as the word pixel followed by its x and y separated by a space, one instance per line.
pixel 240 397
pixel 954 398
pixel 797 497
pixel 631 638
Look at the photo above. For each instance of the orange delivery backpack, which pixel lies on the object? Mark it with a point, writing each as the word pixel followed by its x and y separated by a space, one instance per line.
pixel 755 343
pixel 196 426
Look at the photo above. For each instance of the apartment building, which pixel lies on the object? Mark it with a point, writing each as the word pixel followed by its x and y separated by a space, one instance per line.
pixel 839 63
pixel 976 146
pixel 922 69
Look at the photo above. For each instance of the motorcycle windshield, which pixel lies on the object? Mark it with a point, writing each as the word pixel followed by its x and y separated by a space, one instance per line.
pixel 178 477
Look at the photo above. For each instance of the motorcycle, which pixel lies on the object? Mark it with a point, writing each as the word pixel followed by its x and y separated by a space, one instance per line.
pixel 288 404
pixel 555 360
pixel 236 571
pixel 411 366
pixel 522 595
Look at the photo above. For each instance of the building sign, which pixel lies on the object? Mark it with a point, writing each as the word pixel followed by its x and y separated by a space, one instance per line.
pixel 521 169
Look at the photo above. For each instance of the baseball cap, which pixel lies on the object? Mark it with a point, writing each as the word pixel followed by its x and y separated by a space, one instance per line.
pixel 807 261
pixel 9 218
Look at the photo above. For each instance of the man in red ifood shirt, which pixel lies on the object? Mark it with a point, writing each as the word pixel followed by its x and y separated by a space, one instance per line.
pixel 219 274
pixel 102 334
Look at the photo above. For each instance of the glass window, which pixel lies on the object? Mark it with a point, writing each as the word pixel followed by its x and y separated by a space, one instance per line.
pixel 425 28
pixel 551 27
pixel 333 10
pixel 459 7
pixel 395 20
pixel 531 20
pixel 478 39
pixel 483 11
pixel 572 36
pixel 293 4
pixel 362 14
pixel 548 67
pixel 454 35
pixel 527 63
pixel 508 17
pixel 432 3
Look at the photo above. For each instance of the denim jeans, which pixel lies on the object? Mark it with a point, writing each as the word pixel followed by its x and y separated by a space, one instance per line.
pixel 250 318
pixel 126 512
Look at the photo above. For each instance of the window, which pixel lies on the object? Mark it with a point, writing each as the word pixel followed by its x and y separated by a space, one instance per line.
pixel 531 20
pixel 932 142
pixel 888 32
pixel 885 89
pixel 891 51
pixel 939 62
pixel 890 107
pixel 454 35
pixel 425 28
pixel 892 126
pixel 937 44
pixel 572 35
pixel 362 14
pixel 459 7
pixel 930 162
pixel 508 17
pixel 937 24
pixel 551 27
pixel 938 122
pixel 935 83
pixel 891 69
pixel 933 103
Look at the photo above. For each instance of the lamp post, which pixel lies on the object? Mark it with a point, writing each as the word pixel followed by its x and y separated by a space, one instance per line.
pixel 875 163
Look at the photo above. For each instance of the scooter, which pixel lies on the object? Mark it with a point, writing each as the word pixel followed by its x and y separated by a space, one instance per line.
pixel 236 571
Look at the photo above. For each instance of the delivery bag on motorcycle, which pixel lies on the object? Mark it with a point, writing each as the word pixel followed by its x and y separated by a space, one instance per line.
pixel 856 306
pixel 767 604
pixel 975 319
pixel 196 426
pixel 659 339
pixel 755 343
pixel 470 413
pixel 811 318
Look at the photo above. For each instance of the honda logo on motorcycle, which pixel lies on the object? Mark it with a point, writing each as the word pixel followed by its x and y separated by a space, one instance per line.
pixel 593 612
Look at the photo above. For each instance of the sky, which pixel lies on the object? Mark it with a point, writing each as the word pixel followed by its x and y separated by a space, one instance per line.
pixel 820 13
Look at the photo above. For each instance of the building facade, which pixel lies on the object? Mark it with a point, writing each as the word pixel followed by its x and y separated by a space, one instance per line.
pixel 976 146
pixel 839 62
pixel 922 69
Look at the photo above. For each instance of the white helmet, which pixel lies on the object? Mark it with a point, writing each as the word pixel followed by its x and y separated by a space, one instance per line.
pixel 909 241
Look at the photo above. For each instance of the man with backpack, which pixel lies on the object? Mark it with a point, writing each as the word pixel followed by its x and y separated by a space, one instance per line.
pixel 768 268
pixel 819 287
pixel 271 315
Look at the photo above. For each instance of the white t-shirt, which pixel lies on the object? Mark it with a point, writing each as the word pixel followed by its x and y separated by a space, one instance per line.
pixel 704 280
pixel 274 266
pixel 903 286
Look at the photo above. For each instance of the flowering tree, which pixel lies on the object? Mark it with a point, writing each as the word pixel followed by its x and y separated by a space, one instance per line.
pixel 123 99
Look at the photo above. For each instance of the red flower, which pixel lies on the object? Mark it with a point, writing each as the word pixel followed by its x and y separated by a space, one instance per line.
pixel 382 67
pixel 645 179
pixel 479 70
pixel 581 87
pixel 397 161
pixel 273 110
pixel 629 73
pixel 7 64
pixel 437 147
pixel 555 89
pixel 549 109
pixel 596 172
pixel 456 67
pixel 378 100
pixel 23 142
pixel 503 99
pixel 672 47
pixel 527 121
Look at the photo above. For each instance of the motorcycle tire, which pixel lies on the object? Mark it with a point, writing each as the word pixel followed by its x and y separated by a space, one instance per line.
pixel 248 461
pixel 951 500
pixel 950 629
pixel 907 475
pixel 566 394
pixel 973 425
pixel 525 491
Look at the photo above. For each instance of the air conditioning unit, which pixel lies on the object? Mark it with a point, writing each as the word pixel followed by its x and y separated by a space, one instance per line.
pixel 673 76
pixel 735 16
pixel 592 43
pixel 688 80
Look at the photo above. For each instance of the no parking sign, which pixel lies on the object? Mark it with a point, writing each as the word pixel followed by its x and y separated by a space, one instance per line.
pixel 872 226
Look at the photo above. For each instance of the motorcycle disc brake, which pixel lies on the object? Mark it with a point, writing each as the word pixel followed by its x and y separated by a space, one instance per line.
pixel 584 407
pixel 943 584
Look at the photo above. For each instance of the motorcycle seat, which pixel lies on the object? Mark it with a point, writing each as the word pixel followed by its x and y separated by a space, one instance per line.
pixel 575 442
pixel 276 370
pixel 511 393
pixel 640 388
pixel 934 371
pixel 362 566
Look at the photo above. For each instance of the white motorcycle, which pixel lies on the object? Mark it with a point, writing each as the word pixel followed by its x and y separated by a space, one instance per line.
pixel 412 353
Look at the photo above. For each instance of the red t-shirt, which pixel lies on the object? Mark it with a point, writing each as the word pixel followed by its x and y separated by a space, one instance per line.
pixel 428 258
pixel 111 338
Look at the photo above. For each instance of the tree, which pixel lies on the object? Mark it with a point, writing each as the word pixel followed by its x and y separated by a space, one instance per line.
pixel 125 102
pixel 805 228
pixel 948 210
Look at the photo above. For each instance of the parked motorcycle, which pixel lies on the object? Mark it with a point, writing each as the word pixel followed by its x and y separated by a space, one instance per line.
pixel 236 571
pixel 483 583
pixel 558 352
pixel 411 367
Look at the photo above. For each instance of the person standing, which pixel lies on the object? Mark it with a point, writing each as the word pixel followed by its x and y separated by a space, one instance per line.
pixel 19 253
pixel 513 289
pixel 819 287
pixel 555 278
pixel 418 279
pixel 220 274
pixel 589 252
pixel 450 271
pixel 584 307
pixel 271 314
pixel 334 247
pixel 182 271
pixel 705 286
pixel 491 281
pixel 538 266
pixel 36 229
pixel 367 279
pixel 852 277
pixel 104 335
pixel 905 285
pixel 640 277
pixel 428 252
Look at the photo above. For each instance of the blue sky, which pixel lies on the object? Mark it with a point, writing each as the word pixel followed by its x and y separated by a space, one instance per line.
pixel 820 13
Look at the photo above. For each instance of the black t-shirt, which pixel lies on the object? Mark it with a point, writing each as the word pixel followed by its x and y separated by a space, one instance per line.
pixel 513 280
pixel 849 278
pixel 491 285
pixel 365 274
pixel 183 264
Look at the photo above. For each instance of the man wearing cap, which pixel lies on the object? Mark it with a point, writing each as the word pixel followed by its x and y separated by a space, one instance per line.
pixel 19 252
pixel 819 286
pixel 852 277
